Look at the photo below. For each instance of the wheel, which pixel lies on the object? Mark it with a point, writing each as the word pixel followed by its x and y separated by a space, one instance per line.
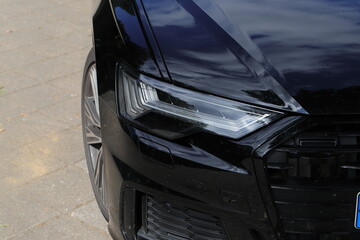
pixel 92 132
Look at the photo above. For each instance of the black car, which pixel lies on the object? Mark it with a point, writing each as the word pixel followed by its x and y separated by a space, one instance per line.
pixel 225 119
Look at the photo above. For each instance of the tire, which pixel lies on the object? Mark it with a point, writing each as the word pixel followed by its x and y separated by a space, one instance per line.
pixel 91 127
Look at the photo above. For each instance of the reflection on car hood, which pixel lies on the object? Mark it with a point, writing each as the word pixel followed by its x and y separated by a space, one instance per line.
pixel 284 54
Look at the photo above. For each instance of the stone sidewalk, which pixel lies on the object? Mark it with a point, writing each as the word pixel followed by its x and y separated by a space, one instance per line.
pixel 45 192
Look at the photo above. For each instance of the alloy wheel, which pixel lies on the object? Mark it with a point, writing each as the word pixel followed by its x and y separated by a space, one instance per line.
pixel 92 136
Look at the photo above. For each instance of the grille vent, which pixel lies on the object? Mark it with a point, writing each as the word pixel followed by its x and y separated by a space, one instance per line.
pixel 314 178
pixel 163 221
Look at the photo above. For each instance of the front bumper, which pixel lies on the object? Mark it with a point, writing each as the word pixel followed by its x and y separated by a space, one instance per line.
pixel 204 172
pixel 229 180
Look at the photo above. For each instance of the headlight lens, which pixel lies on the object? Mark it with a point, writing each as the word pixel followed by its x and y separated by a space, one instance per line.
pixel 173 112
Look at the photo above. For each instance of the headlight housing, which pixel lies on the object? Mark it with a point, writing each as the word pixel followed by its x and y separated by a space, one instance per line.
pixel 173 112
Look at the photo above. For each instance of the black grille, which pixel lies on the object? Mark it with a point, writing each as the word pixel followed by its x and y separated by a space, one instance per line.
pixel 314 178
pixel 164 221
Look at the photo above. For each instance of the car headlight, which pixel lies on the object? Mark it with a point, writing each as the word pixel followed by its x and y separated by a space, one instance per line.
pixel 172 112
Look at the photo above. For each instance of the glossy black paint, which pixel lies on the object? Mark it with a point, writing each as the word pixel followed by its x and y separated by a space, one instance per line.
pixel 243 50
pixel 203 175
pixel 238 49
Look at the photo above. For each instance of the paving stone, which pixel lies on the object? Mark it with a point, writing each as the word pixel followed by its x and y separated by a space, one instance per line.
pixel 68 112
pixel 11 81
pixel 37 97
pixel 78 59
pixel 14 9
pixel 82 164
pixel 90 214
pixel 15 59
pixel 63 228
pixel 3 48
pixel 45 192
pixel 20 7
pixel 49 70
pixel 66 146
pixel 32 20
pixel 29 128
pixel 23 165
pixel 10 110
pixel 55 47
pixel 59 28
pixel 5 2
pixel 81 37
pixel 80 6
pixel 24 37
pixel 61 1
pixel 20 213
pixel 70 83
pixel 63 190
pixel 64 12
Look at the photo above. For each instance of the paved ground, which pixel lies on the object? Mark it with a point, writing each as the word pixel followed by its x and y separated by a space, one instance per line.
pixel 45 192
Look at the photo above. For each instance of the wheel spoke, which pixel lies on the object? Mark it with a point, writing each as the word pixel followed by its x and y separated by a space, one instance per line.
pixel 98 170
pixel 93 135
pixel 91 112
pixel 93 79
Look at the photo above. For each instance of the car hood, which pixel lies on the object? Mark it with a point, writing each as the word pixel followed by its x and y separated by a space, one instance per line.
pixel 301 56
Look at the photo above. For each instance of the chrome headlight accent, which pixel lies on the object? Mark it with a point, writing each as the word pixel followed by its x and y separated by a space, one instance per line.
pixel 172 111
